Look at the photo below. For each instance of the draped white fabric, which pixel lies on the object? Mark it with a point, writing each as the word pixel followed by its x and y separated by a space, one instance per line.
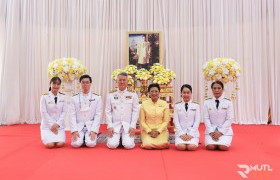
pixel 32 33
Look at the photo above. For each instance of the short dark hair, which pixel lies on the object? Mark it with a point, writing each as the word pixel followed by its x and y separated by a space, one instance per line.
pixel 217 82
pixel 153 85
pixel 186 86
pixel 123 74
pixel 53 80
pixel 85 76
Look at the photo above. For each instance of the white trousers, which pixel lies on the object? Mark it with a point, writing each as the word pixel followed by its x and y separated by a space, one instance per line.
pixel 193 141
pixel 47 136
pixel 84 135
pixel 127 141
pixel 223 140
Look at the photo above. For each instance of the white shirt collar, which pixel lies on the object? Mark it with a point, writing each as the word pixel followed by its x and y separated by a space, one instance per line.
pixel 85 94
pixel 119 91
pixel 190 101
pixel 53 94
pixel 220 98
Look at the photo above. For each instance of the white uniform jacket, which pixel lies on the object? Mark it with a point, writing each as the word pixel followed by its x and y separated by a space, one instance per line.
pixel 85 110
pixel 187 122
pixel 52 112
pixel 218 119
pixel 122 110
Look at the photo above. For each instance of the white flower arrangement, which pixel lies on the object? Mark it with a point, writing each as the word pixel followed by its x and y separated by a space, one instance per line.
pixel 67 69
pixel 143 74
pixel 223 69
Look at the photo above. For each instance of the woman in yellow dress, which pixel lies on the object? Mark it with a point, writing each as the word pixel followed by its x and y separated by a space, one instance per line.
pixel 154 118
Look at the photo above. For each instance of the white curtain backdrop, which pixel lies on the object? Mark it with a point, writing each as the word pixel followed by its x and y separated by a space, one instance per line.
pixel 33 33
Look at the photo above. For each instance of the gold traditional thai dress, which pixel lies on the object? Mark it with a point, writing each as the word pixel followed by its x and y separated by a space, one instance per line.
pixel 154 116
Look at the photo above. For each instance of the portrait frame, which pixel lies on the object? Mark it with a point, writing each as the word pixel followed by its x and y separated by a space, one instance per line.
pixel 144 48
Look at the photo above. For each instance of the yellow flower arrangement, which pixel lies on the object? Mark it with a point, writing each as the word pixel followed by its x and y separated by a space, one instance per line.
pixel 130 80
pixel 143 74
pixel 223 69
pixel 156 68
pixel 161 78
pixel 170 74
pixel 68 69
pixel 164 76
pixel 130 69
pixel 115 73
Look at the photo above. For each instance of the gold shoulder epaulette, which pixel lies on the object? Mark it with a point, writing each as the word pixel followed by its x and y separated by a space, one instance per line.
pixel 61 93
pixel 96 94
pixel 208 98
pixel 195 102
pixel 47 93
pixel 75 94
pixel 178 102
pixel 113 90
pixel 227 99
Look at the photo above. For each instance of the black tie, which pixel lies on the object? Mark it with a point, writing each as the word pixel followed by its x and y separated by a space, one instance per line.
pixel 55 100
pixel 186 106
pixel 217 103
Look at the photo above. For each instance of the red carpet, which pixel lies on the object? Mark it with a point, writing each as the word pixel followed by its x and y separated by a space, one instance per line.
pixel 22 156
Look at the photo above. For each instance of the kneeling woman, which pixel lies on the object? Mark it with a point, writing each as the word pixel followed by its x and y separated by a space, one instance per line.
pixel 186 120
pixel 218 115
pixel 154 118
pixel 53 111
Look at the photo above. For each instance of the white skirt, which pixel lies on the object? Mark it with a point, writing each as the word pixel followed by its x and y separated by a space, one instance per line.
pixel 47 136
pixel 223 140
pixel 193 141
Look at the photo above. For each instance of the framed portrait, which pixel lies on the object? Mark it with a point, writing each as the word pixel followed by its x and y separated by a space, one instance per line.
pixel 144 48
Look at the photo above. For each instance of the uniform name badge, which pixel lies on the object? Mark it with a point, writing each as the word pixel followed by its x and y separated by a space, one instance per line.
pixel 128 97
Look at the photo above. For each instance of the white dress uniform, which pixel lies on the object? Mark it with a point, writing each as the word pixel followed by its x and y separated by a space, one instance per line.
pixel 122 113
pixel 85 116
pixel 187 122
pixel 218 120
pixel 52 113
